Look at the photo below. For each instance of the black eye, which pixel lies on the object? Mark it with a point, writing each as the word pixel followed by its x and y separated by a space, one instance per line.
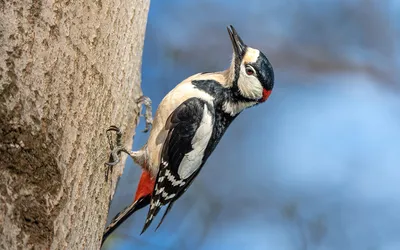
pixel 249 70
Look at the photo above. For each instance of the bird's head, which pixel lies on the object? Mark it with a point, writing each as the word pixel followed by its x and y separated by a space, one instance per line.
pixel 251 72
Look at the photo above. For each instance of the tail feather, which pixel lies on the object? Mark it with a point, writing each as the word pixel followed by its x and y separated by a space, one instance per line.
pixel 165 214
pixel 142 199
pixel 124 214
pixel 155 207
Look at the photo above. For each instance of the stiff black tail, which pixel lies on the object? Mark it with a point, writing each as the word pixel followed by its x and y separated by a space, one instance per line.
pixel 124 214
pixel 165 214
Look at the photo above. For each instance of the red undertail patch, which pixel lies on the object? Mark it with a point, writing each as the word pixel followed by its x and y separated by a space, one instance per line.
pixel 146 185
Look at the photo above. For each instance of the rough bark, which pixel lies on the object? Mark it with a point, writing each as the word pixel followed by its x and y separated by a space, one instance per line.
pixel 68 70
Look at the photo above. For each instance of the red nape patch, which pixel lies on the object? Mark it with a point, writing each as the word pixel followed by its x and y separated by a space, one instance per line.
pixel 146 185
pixel 266 94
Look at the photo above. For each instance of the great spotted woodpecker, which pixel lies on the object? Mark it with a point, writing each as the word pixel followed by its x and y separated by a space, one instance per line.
pixel 189 123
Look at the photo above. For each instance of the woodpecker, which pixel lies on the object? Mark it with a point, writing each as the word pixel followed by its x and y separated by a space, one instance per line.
pixel 189 123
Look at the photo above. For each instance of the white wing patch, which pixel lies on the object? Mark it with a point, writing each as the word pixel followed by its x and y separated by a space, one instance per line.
pixel 192 160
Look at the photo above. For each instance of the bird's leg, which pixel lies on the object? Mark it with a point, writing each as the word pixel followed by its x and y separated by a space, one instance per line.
pixel 147 113
pixel 139 157
pixel 116 149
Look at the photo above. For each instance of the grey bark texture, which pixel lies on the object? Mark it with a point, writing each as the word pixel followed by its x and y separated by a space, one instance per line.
pixel 68 70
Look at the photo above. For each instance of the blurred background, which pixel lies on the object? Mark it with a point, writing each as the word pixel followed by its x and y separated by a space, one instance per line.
pixel 315 167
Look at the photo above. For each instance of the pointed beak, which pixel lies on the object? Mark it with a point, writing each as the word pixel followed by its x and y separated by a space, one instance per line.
pixel 237 43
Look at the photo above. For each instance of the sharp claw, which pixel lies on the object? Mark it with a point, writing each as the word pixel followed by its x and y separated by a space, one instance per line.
pixel 114 128
pixel 146 129
pixel 143 99
pixel 111 164
pixel 149 124
pixel 114 155
pixel 146 101
pixel 114 158
pixel 117 148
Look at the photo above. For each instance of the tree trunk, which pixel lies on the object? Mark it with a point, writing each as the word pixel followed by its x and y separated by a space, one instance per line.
pixel 68 70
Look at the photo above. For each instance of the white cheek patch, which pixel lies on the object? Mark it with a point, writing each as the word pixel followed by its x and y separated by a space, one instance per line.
pixel 249 86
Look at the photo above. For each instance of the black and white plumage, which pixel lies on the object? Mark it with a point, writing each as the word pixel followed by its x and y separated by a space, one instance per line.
pixel 192 118
pixel 190 128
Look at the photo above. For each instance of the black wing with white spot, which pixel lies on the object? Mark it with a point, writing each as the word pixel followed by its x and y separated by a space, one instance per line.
pixel 190 128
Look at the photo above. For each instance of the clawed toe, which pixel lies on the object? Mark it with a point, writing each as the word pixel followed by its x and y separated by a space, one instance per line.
pixel 114 128
pixel 115 149
pixel 146 101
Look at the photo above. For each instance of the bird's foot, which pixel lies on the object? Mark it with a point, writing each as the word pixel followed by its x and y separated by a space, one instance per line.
pixel 116 148
pixel 144 100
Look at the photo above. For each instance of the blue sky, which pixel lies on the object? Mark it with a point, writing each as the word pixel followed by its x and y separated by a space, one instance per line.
pixel 317 165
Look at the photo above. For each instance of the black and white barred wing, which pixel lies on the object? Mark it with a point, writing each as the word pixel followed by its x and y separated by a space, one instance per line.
pixel 190 128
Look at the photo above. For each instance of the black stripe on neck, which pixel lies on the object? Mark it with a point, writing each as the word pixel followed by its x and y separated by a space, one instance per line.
pixel 220 94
